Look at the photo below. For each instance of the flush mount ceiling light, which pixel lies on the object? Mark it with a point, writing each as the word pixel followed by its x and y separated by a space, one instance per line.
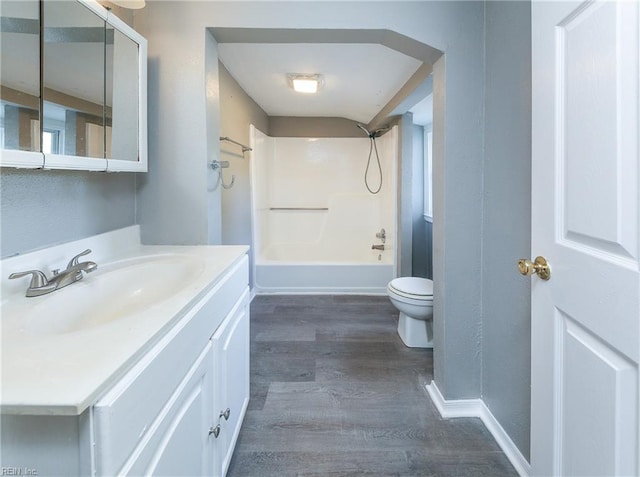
pixel 132 4
pixel 305 83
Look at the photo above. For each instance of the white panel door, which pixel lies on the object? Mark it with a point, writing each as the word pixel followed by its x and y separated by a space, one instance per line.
pixel 585 222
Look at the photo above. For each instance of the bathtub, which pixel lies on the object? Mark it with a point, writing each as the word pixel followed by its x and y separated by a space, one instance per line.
pixel 313 220
pixel 301 268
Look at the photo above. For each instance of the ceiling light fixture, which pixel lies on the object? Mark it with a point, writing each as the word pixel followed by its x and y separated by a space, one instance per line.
pixel 132 4
pixel 305 83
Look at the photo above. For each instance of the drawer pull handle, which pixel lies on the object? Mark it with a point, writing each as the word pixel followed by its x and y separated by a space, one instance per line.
pixel 215 431
pixel 225 414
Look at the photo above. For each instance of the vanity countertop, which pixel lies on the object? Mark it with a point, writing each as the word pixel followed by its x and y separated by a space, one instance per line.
pixel 47 370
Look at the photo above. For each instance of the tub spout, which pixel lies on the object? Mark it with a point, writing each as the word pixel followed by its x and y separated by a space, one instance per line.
pixel 377 247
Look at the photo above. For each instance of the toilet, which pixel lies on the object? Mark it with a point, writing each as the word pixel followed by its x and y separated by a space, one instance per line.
pixel 413 297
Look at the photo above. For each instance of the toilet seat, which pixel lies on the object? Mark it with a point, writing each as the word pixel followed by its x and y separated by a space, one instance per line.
pixel 412 288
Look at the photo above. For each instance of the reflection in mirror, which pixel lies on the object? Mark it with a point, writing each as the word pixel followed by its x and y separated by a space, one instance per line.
pixel 122 96
pixel 20 75
pixel 73 80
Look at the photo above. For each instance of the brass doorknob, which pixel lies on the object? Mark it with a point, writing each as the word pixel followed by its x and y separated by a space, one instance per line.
pixel 539 266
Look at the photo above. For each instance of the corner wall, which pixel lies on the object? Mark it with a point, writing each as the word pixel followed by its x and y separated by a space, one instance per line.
pixel 506 334
pixel 237 112
pixel 179 203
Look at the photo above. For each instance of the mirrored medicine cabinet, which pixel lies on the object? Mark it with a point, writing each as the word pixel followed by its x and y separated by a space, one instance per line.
pixel 72 87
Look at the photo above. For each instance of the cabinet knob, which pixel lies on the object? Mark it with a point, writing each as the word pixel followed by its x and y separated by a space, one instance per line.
pixel 225 414
pixel 215 431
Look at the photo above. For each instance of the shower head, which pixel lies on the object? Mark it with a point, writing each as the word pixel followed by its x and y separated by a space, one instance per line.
pixel 379 132
pixel 373 134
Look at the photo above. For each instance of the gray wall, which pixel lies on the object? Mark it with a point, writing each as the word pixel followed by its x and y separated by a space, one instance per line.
pixel 506 318
pixel 237 112
pixel 458 132
pixel 405 195
pixel 420 242
pixel 179 198
pixel 42 208
pixel 280 126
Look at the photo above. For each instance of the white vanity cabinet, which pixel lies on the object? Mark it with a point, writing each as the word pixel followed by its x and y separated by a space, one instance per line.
pixel 162 418
pixel 165 415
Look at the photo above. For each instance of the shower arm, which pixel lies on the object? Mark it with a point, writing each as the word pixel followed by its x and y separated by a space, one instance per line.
pixel 375 133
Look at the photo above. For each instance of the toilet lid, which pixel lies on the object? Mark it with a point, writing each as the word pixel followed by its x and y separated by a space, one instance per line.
pixel 413 286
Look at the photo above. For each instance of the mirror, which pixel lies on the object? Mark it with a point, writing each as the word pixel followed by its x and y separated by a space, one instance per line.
pixel 20 79
pixel 73 81
pixel 122 96
pixel 72 89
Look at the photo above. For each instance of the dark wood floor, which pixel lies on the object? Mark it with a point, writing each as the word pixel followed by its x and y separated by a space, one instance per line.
pixel 335 392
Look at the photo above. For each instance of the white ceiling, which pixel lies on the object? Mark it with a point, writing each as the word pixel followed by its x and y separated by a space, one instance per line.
pixel 359 79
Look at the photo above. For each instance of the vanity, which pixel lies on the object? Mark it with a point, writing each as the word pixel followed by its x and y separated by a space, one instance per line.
pixel 139 368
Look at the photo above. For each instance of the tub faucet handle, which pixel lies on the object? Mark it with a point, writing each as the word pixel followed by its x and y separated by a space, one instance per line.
pixel 382 235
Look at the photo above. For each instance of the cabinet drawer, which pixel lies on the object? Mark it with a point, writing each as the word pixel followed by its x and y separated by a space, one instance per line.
pixel 125 413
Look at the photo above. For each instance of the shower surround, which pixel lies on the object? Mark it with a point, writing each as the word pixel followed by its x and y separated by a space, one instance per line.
pixel 314 221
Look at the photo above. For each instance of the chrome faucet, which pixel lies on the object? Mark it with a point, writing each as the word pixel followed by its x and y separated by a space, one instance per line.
pixel 377 247
pixel 40 285
pixel 382 235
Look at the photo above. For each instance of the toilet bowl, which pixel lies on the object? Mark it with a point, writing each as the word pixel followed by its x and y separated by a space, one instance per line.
pixel 413 297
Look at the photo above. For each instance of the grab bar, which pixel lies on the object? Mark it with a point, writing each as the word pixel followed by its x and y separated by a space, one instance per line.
pixel 228 139
pixel 299 208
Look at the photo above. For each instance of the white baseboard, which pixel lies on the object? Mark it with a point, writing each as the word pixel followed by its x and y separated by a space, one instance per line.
pixel 477 408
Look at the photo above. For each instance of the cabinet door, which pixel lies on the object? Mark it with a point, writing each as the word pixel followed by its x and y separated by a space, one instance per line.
pixel 231 343
pixel 181 444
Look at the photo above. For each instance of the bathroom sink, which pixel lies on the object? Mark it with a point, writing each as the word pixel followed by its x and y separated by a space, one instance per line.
pixel 115 291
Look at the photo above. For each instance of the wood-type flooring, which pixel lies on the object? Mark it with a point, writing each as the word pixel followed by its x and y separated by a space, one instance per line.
pixel 335 392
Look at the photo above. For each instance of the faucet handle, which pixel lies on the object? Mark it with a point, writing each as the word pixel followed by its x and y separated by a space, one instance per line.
pixel 74 261
pixel 38 279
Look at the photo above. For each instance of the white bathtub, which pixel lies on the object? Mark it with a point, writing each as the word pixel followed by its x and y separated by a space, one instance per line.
pixel 300 268
pixel 314 221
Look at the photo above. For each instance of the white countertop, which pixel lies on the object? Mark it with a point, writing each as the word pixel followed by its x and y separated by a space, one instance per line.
pixel 46 372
